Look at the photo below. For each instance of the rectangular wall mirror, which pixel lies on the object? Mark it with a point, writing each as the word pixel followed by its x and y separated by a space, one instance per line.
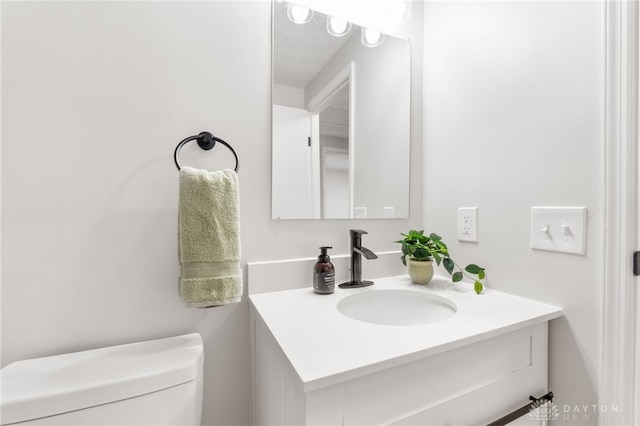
pixel 341 119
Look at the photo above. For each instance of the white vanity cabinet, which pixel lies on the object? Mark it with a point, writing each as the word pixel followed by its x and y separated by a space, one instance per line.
pixel 310 369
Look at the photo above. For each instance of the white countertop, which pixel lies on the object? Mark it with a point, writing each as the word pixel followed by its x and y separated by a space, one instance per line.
pixel 326 347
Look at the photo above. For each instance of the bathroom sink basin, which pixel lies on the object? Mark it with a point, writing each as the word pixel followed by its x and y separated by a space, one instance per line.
pixel 396 307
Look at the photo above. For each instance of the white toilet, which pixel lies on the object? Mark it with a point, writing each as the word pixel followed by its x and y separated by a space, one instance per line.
pixel 158 382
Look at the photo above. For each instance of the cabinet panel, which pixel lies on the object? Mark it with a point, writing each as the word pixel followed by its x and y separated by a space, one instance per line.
pixel 278 398
pixel 479 406
pixel 430 382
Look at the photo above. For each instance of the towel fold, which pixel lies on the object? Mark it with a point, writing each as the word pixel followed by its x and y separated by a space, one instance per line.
pixel 209 238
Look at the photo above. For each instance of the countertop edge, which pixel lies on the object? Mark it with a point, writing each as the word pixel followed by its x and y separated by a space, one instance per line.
pixel 319 383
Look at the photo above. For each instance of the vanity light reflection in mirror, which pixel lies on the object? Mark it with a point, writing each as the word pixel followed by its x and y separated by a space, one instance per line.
pixel 341 97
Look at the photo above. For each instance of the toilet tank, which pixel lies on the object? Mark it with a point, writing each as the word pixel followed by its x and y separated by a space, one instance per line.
pixel 156 382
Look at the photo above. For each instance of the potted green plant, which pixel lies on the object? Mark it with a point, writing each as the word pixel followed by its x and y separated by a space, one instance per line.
pixel 419 251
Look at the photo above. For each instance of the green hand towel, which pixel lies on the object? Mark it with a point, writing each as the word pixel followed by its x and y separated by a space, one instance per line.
pixel 209 238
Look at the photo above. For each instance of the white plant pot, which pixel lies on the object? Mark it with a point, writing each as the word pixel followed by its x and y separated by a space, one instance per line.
pixel 420 271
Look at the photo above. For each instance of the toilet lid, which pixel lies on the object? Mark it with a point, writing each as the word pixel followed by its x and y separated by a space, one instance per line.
pixel 53 385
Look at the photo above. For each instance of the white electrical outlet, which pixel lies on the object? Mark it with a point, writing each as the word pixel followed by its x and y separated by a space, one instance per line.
pixel 561 229
pixel 468 224
pixel 360 212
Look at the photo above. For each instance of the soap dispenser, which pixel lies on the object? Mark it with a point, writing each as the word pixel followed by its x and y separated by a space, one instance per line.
pixel 324 274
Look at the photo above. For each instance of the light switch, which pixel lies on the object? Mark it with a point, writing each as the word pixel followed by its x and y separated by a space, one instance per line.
pixel 561 229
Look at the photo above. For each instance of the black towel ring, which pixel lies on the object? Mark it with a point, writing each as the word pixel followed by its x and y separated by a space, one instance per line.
pixel 206 141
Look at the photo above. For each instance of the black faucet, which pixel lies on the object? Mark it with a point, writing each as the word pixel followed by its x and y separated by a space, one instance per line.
pixel 357 251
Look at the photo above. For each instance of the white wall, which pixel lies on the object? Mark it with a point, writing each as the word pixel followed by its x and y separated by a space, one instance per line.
pixel 513 118
pixel 288 96
pixel 95 98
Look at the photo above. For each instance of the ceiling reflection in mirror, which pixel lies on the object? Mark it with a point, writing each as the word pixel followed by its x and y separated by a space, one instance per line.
pixel 341 129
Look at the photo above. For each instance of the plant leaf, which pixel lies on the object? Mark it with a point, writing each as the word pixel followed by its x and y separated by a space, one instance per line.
pixel 404 260
pixel 439 244
pixel 481 274
pixel 435 237
pixel 420 253
pixel 457 276
pixel 448 265
pixel 472 268
pixel 477 286
pixel 437 258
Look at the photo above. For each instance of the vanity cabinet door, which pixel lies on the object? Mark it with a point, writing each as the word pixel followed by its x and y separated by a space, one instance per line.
pixel 474 384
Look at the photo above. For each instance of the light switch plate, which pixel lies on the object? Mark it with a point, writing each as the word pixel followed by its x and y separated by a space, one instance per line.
pixel 561 229
pixel 468 224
